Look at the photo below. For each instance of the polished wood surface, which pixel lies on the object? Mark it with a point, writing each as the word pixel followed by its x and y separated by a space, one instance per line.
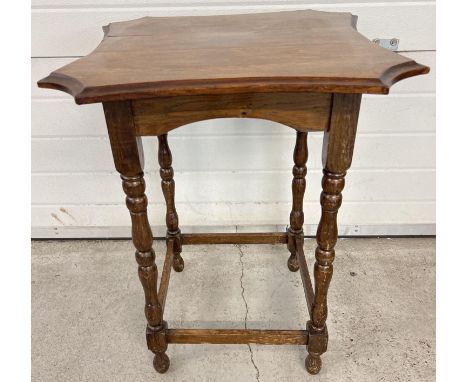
pixel 166 273
pixel 126 152
pixel 168 188
pixel 301 111
pixel 234 238
pixel 128 159
pixel 296 217
pixel 237 336
pixel 305 275
pixel 338 145
pixel 304 69
pixel 306 51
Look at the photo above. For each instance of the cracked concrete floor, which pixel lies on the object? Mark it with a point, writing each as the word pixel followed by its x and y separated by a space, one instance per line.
pixel 88 322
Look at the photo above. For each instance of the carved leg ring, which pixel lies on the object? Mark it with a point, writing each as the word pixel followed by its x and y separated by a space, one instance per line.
pixel 168 188
pixel 142 236
pixel 327 233
pixel 296 218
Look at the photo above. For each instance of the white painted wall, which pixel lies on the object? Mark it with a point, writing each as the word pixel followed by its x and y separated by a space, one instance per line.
pixel 76 191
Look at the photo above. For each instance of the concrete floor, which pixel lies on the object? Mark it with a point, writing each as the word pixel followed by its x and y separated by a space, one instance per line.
pixel 88 322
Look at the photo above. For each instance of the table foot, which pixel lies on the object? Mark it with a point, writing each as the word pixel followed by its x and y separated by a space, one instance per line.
pixel 293 263
pixel 161 362
pixel 313 363
pixel 157 343
pixel 316 346
pixel 178 263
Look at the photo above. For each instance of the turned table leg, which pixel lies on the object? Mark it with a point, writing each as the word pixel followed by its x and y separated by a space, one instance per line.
pixel 168 188
pixel 127 153
pixel 296 218
pixel 337 154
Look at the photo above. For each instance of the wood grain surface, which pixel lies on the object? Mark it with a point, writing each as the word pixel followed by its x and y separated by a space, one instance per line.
pixel 234 238
pixel 302 111
pixel 237 336
pixel 265 52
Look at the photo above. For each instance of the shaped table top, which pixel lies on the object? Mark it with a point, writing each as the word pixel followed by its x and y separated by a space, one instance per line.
pixel 262 52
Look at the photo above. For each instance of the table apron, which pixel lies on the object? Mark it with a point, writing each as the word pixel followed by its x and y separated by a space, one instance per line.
pixel 301 111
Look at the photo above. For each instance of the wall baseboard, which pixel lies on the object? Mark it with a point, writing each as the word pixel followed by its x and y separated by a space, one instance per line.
pixel 115 232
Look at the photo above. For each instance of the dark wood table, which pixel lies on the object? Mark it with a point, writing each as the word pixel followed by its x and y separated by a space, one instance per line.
pixel 304 69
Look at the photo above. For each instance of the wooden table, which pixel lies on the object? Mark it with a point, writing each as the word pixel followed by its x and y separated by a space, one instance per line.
pixel 304 69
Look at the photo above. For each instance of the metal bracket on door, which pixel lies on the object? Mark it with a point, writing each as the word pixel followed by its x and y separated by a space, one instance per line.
pixel 387 43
